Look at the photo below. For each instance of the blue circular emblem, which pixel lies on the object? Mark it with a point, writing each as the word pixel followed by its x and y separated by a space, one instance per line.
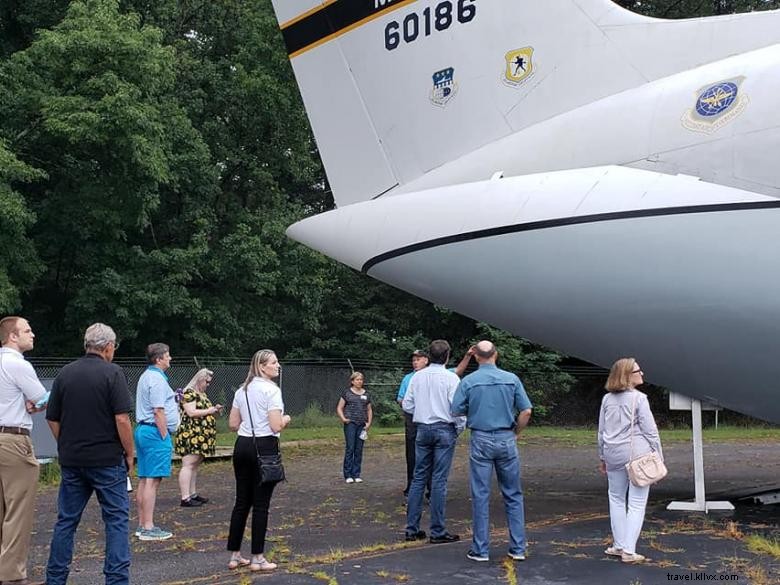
pixel 716 99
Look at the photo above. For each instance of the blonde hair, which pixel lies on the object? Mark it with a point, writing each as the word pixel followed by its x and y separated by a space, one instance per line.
pixel 199 375
pixel 620 375
pixel 260 358
pixel 356 375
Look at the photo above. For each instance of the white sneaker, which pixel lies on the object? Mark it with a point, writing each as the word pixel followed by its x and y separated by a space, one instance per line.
pixel 632 558
pixel 516 556
pixel 358 480
pixel 350 480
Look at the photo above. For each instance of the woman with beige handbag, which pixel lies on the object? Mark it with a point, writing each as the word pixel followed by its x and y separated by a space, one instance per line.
pixel 627 430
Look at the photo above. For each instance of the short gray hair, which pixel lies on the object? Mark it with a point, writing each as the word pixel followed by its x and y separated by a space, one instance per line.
pixel 98 336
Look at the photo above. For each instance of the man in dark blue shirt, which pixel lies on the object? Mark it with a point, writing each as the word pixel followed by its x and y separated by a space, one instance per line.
pixel 497 408
pixel 88 415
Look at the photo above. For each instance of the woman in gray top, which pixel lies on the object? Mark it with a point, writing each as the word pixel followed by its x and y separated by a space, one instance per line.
pixel 619 442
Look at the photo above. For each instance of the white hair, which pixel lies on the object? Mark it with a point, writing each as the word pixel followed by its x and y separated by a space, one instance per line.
pixel 98 336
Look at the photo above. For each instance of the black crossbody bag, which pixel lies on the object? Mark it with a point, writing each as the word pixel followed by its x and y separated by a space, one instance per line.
pixel 270 466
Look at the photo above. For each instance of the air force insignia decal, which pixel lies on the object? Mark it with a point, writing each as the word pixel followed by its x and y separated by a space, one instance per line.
pixel 444 87
pixel 519 66
pixel 716 105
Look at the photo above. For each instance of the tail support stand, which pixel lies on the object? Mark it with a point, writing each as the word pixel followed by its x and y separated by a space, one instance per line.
pixel 700 504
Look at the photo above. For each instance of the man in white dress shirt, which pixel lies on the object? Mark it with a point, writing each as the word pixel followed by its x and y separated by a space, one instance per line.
pixel 20 390
pixel 429 400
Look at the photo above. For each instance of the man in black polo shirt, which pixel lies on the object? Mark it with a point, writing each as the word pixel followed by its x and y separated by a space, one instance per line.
pixel 88 415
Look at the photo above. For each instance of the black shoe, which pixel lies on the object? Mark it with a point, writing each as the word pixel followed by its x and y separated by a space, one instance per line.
pixel 444 538
pixel 190 503
pixel 199 498
pixel 412 536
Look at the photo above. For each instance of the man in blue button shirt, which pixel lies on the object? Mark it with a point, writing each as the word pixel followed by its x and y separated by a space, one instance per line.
pixel 157 415
pixel 497 408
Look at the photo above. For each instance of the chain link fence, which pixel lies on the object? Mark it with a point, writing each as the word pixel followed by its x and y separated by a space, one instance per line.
pixel 306 384
pixel 314 386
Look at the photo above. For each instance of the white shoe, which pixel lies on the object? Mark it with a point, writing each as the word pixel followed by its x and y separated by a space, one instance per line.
pixel 350 480
pixel 516 556
pixel 358 480
pixel 614 551
pixel 631 558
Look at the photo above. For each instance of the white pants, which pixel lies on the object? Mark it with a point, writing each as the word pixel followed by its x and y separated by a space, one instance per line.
pixel 626 520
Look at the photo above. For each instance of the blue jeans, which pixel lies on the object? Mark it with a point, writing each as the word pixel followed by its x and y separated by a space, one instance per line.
pixel 496 449
pixel 76 487
pixel 353 451
pixel 435 447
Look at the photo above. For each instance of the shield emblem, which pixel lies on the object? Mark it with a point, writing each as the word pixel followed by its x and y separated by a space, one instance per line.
pixel 519 65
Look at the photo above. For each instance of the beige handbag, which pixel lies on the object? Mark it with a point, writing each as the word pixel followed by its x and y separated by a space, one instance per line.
pixel 646 469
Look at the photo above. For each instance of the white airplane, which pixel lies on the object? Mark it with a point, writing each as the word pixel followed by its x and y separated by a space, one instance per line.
pixel 593 180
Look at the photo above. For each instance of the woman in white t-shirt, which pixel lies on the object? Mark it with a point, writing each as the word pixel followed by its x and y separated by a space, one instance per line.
pixel 258 416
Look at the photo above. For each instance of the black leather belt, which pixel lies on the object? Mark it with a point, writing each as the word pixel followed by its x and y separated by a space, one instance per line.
pixel 148 424
pixel 15 431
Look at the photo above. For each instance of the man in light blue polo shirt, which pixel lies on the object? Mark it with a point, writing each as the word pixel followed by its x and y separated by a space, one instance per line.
pixel 157 415
pixel 497 408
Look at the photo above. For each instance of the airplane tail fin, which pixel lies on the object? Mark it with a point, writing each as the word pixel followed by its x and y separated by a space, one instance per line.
pixel 396 88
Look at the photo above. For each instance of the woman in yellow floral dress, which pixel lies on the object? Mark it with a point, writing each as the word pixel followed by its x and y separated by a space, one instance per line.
pixel 197 435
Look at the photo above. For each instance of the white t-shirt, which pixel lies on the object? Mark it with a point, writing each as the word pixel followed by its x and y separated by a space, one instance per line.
pixel 18 383
pixel 263 396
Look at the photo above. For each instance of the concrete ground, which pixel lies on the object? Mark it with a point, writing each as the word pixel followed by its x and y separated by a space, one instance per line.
pixel 324 531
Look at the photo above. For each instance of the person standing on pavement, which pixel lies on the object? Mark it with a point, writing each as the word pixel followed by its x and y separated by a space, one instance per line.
pixel 497 409
pixel 157 416
pixel 258 416
pixel 419 361
pixel 197 436
pixel 20 391
pixel 355 412
pixel 626 429
pixel 429 400
pixel 88 414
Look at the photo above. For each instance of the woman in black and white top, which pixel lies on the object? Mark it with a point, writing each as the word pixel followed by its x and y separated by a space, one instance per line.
pixel 260 394
pixel 626 429
pixel 354 410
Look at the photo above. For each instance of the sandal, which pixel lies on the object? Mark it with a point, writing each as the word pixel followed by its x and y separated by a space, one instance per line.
pixel 239 562
pixel 263 565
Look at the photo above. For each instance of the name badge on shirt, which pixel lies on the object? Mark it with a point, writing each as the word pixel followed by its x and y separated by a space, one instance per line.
pixel 364 397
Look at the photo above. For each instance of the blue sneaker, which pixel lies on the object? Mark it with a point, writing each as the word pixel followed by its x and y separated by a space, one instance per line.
pixel 155 533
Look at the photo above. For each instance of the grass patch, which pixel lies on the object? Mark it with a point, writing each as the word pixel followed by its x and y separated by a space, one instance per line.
pixel 50 474
pixel 763 545
pixel 302 430
pixel 587 436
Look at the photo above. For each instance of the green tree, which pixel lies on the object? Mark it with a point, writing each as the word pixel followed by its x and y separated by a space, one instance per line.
pixel 19 263
pixel 537 367
pixel 695 8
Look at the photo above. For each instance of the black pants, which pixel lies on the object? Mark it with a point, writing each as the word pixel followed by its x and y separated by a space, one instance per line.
pixel 410 434
pixel 250 493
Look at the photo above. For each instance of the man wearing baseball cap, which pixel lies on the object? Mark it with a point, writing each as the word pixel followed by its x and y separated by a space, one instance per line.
pixel 419 361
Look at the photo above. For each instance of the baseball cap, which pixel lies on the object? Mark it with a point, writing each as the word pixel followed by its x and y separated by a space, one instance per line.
pixel 420 353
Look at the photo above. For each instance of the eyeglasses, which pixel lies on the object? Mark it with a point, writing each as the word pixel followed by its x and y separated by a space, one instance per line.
pixel 640 372
pixel 116 345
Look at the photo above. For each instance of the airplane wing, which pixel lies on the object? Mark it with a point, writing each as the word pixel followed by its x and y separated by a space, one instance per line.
pixel 598 263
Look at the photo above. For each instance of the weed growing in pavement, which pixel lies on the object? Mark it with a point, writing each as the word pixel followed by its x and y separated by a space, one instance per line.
pixel 763 545
pixel 510 575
